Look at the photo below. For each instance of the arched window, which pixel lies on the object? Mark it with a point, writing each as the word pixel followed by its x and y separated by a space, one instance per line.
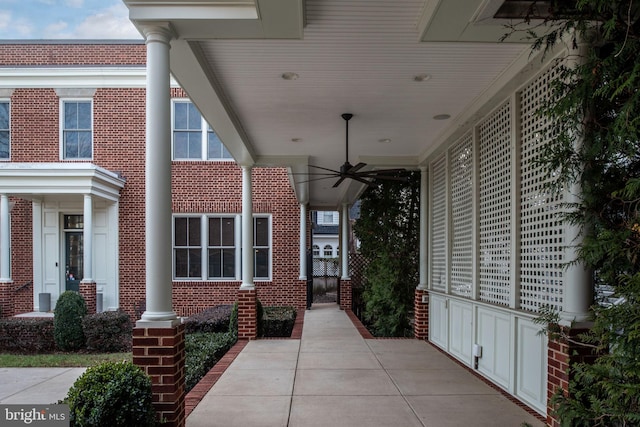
pixel 316 250
pixel 328 251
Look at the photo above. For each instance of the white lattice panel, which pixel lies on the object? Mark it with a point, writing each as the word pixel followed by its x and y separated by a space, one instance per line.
pixel 438 224
pixel 461 166
pixel 495 207
pixel 542 235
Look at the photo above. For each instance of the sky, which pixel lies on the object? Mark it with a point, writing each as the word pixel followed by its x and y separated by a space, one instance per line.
pixel 65 19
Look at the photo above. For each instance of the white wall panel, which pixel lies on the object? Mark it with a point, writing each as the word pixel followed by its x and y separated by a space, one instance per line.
pixel 532 364
pixel 438 321
pixel 494 335
pixel 461 330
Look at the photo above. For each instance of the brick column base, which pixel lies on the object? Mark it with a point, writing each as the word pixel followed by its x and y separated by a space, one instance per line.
pixel 160 353
pixel 561 355
pixel 421 313
pixel 346 295
pixel 88 292
pixel 247 314
pixel 6 299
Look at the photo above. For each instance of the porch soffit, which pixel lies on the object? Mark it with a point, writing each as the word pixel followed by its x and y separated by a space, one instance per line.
pixel 38 179
pixel 357 56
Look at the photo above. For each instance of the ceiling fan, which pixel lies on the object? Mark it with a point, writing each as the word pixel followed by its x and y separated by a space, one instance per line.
pixel 348 171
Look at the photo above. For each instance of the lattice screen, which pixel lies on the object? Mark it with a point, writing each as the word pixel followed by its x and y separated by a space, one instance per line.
pixel 542 234
pixel 461 166
pixel 438 224
pixel 495 207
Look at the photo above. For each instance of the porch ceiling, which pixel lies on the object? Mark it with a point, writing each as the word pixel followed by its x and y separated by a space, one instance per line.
pixel 355 56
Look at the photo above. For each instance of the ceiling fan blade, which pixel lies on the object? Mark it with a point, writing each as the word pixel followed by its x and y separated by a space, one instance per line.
pixel 357 167
pixel 324 169
pixel 317 179
pixel 338 182
pixel 383 172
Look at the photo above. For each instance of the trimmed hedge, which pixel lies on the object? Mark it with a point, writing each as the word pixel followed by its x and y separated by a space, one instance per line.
pixel 213 319
pixel 108 332
pixel 203 350
pixel 26 335
pixel 278 321
pixel 112 394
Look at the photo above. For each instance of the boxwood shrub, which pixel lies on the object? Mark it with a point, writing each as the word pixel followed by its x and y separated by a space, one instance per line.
pixel 67 321
pixel 108 332
pixel 112 394
pixel 213 319
pixel 26 335
pixel 202 351
pixel 278 321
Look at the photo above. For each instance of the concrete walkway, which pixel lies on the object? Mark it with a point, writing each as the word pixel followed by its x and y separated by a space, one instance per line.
pixel 333 377
pixel 36 386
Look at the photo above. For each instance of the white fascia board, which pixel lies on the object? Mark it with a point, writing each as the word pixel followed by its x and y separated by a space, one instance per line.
pixel 159 10
pixel 74 77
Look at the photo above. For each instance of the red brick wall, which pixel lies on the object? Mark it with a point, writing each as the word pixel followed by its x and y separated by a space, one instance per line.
pixel 421 310
pixel 119 146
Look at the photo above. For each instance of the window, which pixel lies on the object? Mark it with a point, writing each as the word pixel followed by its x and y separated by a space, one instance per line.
pixel 216 239
pixel 261 247
pixel 328 251
pixel 222 250
pixel 193 138
pixel 327 218
pixel 316 250
pixel 77 133
pixel 5 134
pixel 187 248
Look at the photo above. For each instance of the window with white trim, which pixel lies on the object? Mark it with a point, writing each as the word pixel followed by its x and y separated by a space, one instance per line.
pixel 5 130
pixel 316 251
pixel 76 119
pixel 328 218
pixel 207 247
pixel 193 137
pixel 328 251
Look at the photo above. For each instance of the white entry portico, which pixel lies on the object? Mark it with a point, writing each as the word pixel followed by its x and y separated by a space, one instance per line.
pixel 75 225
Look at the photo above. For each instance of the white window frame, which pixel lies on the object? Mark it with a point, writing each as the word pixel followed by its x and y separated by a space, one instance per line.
pixel 8 102
pixel 269 247
pixel 315 250
pixel 324 251
pixel 205 129
pixel 204 246
pixel 323 218
pixel 62 103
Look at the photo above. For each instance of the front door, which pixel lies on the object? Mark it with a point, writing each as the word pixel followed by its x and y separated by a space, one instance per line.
pixel 73 251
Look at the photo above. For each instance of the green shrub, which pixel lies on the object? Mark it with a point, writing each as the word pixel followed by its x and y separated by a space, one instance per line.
pixel 213 319
pixel 67 321
pixel 112 395
pixel 278 321
pixel 27 335
pixel 108 332
pixel 203 350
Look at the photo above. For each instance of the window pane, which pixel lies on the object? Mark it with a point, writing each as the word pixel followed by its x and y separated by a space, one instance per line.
pixel 195 119
pixel 261 230
pixel 182 257
pixel 228 232
pixel 70 115
pixel 4 116
pixel 195 264
pixel 84 115
pixel 229 262
pixel 70 145
pixel 215 238
pixel 215 263
pixel 180 115
pixel 180 234
pixel 194 231
pixel 195 145
pixel 180 145
pixel 262 263
pixel 84 145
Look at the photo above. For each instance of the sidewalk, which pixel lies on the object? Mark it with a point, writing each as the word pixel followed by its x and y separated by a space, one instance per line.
pixel 38 386
pixel 334 377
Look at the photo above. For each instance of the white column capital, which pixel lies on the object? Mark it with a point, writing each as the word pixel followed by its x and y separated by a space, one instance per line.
pixel 159 31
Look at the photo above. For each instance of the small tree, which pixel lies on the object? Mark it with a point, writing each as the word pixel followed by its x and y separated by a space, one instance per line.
pixel 388 230
pixel 67 321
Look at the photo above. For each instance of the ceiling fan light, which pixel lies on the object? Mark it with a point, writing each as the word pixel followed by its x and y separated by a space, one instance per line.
pixel 441 116
pixel 384 140
pixel 421 77
pixel 290 76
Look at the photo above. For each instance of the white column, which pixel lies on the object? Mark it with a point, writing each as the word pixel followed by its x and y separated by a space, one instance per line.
pixel 88 238
pixel 247 230
pixel 303 241
pixel 5 240
pixel 424 229
pixel 344 244
pixel 158 178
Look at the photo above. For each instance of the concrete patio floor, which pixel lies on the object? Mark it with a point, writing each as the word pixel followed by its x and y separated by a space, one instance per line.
pixel 334 377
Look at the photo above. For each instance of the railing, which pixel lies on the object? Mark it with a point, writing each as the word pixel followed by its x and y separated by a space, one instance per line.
pixel 29 283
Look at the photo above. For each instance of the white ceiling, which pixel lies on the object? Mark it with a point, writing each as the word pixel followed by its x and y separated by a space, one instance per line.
pixel 351 56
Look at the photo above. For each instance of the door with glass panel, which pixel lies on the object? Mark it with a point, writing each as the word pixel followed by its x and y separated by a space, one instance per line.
pixel 74 251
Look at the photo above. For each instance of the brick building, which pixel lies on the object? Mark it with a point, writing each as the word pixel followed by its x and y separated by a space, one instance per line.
pixel 72 186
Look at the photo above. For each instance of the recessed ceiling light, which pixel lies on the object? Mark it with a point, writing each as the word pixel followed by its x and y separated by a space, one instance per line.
pixel 384 140
pixel 421 77
pixel 290 76
pixel 296 139
pixel 441 116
